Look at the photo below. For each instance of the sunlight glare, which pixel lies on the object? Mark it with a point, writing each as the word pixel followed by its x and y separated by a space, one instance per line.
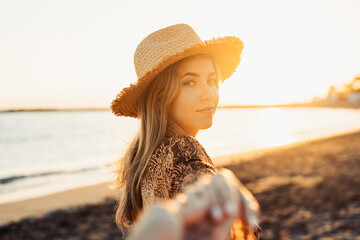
pixel 273 128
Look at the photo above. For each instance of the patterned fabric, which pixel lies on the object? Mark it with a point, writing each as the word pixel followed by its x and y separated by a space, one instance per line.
pixel 178 162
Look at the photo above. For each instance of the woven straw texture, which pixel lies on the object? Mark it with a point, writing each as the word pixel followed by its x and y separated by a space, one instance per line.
pixel 167 46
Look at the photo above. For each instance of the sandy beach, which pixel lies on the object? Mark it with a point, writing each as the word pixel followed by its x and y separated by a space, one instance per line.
pixel 306 191
pixel 36 207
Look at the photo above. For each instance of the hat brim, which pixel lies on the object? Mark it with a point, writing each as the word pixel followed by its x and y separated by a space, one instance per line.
pixel 226 52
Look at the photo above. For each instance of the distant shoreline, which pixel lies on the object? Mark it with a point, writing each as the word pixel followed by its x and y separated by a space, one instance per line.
pixel 294 105
pixel 55 110
pixel 309 105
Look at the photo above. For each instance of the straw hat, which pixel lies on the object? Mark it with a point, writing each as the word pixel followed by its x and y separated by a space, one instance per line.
pixel 166 46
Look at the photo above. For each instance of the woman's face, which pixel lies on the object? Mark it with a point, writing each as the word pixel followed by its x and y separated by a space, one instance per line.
pixel 195 105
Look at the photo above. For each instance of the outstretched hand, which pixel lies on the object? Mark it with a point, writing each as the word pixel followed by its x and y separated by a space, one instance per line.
pixel 206 210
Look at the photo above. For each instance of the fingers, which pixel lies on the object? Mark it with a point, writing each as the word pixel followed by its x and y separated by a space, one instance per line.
pixel 193 207
pixel 248 205
pixel 209 195
pixel 216 196
pixel 196 201
pixel 222 197
pixel 225 205
pixel 219 195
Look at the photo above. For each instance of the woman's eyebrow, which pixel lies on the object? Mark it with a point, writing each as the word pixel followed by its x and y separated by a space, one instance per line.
pixel 190 74
pixel 195 74
pixel 213 73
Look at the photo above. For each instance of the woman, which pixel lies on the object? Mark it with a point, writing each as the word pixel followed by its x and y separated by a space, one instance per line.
pixel 175 96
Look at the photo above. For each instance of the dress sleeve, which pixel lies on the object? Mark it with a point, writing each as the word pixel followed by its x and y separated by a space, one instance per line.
pixel 190 162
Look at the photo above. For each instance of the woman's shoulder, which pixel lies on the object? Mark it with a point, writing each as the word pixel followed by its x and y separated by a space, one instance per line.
pixel 182 141
pixel 185 148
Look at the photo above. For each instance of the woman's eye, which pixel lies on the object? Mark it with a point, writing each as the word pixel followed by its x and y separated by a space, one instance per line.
pixel 214 82
pixel 189 83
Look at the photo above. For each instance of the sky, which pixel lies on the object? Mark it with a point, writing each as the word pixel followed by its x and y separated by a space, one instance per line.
pixel 79 53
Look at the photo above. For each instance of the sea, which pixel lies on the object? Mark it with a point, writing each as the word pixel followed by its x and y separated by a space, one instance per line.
pixel 46 152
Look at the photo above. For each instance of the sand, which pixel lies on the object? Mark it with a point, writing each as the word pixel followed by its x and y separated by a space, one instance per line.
pixel 309 191
pixel 306 191
pixel 36 207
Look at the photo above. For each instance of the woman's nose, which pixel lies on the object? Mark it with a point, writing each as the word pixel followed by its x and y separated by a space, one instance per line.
pixel 207 92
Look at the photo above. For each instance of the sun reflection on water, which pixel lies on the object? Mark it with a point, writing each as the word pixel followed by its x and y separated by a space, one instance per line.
pixel 273 128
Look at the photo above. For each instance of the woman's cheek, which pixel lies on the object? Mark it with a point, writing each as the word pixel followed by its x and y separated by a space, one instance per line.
pixel 188 97
pixel 216 95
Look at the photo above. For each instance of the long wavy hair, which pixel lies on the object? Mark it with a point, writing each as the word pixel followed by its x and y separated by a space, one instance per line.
pixel 155 122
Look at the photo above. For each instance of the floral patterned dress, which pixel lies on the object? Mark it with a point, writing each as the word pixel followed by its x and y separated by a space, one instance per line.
pixel 178 161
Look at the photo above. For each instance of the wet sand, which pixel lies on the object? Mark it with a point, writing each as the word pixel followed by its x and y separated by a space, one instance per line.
pixel 306 191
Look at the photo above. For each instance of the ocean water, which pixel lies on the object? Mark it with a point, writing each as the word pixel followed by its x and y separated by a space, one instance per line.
pixel 47 152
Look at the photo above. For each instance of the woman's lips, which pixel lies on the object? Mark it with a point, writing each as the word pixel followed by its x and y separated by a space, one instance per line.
pixel 206 111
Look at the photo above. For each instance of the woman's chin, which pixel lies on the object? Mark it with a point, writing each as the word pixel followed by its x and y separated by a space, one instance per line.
pixel 205 125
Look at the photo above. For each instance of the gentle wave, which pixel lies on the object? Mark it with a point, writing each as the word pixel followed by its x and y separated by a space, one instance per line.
pixel 12 179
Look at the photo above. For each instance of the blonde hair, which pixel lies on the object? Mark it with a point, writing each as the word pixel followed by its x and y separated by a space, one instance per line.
pixel 153 108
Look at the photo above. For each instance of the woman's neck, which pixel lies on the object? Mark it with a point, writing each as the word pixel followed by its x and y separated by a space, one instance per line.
pixel 177 130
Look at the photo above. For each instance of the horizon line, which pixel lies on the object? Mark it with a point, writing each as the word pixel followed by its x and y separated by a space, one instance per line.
pixel 308 104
